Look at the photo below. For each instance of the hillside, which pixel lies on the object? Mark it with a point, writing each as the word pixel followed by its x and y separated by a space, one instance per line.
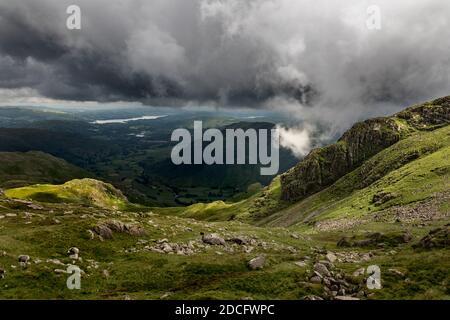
pixel 142 255
pixel 414 171
pixel 20 169
pixel 391 158
pixel 134 156
pixel 324 166
pixel 87 192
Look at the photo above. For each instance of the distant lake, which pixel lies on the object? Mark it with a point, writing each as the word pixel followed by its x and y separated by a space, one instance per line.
pixel 127 120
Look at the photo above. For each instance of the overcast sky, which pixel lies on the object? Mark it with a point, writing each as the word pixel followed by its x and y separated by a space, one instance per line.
pixel 312 58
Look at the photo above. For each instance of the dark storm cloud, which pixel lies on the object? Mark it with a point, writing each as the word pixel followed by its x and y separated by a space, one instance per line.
pixel 134 50
pixel 21 40
pixel 312 58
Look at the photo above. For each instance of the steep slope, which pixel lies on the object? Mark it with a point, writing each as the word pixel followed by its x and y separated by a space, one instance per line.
pixel 396 176
pixel 251 209
pixel 20 169
pixel 415 170
pixel 324 166
pixel 88 192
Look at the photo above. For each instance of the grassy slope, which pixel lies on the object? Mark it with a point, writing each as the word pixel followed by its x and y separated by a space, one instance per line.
pixel 142 275
pixel 20 169
pixel 352 194
pixel 214 272
pixel 87 192
pixel 253 208
pixel 413 170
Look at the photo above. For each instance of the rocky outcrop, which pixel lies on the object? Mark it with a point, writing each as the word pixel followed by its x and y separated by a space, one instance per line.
pixel 324 166
pixel 437 238
pixel 213 239
pixel 105 230
pixel 376 239
pixel 428 115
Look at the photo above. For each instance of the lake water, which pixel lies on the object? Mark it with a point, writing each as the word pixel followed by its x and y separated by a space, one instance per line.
pixel 127 120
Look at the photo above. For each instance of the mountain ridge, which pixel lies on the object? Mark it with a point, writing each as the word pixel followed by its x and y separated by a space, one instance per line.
pixel 324 166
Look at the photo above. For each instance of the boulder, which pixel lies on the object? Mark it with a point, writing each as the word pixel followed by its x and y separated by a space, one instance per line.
pixel 166 247
pixel 315 280
pixel 103 231
pixel 135 231
pixel 116 226
pixel 322 269
pixel 331 257
pixel 213 239
pixel 257 263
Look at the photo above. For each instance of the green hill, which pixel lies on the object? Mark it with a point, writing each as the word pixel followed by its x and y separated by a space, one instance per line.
pixel 88 192
pixel 20 169
pixel 414 170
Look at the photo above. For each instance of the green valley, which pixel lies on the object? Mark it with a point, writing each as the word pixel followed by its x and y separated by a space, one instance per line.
pixel 379 196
